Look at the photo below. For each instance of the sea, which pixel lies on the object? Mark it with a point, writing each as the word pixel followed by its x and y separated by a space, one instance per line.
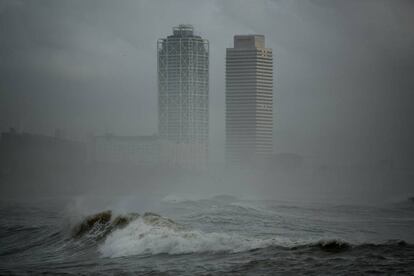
pixel 215 235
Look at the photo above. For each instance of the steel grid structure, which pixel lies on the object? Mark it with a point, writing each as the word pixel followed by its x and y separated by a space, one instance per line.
pixel 183 77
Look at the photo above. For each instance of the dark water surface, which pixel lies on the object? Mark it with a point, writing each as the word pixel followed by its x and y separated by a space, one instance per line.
pixel 214 236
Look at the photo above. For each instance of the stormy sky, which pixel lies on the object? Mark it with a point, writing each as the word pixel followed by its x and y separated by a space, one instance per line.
pixel 344 70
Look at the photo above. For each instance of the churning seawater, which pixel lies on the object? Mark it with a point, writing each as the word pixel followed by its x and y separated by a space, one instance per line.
pixel 215 236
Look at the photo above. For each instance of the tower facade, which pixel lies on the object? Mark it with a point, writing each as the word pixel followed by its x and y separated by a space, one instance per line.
pixel 183 84
pixel 249 100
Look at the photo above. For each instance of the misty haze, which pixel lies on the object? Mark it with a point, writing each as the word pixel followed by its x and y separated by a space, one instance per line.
pixel 191 137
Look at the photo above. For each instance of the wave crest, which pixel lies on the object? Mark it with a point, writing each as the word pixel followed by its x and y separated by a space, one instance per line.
pixel 155 234
pixel 333 246
pixel 339 246
pixel 101 224
pixel 150 234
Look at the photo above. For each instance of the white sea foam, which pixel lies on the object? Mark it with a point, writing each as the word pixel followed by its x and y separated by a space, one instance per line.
pixel 144 237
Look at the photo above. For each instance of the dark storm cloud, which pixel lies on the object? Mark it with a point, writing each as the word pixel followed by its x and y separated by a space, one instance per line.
pixel 344 70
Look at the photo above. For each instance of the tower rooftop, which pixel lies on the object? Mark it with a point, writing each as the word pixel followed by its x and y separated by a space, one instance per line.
pixel 249 41
pixel 183 30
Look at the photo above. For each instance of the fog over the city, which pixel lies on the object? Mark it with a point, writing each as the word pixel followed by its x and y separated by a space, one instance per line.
pixel 343 71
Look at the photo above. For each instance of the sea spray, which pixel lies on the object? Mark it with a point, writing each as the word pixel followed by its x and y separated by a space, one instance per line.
pixel 162 235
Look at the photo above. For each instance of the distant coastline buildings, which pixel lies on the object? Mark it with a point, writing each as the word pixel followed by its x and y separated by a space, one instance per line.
pixel 29 162
pixel 249 100
pixel 183 93
pixel 183 107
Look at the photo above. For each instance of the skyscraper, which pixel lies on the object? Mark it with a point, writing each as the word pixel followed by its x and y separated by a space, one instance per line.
pixel 183 76
pixel 249 99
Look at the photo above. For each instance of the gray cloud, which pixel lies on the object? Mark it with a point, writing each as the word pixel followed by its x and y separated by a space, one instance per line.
pixel 344 69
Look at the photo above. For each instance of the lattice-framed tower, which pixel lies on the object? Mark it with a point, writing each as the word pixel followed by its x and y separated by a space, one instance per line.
pixel 183 85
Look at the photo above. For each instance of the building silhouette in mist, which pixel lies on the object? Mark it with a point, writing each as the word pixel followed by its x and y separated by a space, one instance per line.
pixel 183 89
pixel 34 163
pixel 249 100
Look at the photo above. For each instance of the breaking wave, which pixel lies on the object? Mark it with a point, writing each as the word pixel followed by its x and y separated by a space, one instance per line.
pixel 101 224
pixel 151 234
pixel 159 236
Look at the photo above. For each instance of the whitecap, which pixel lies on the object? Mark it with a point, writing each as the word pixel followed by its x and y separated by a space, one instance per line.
pixel 144 237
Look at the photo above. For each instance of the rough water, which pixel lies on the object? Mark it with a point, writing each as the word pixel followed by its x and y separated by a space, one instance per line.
pixel 215 236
